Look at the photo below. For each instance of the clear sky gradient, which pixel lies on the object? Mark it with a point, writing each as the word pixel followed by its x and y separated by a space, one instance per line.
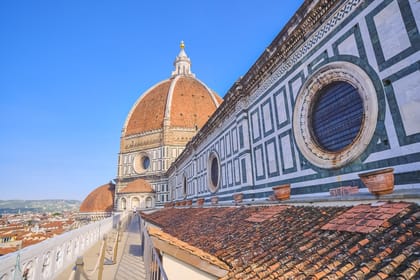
pixel 70 71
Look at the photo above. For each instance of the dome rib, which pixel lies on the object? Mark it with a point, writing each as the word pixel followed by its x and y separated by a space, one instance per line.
pixel 217 100
pixel 148 113
pixel 170 96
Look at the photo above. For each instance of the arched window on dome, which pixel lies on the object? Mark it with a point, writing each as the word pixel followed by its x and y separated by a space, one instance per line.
pixel 149 202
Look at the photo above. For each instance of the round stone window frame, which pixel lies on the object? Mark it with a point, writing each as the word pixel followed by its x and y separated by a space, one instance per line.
pixel 213 156
pixel 339 71
pixel 139 163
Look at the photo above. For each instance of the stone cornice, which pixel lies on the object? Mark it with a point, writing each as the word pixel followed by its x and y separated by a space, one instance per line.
pixel 146 133
pixel 305 21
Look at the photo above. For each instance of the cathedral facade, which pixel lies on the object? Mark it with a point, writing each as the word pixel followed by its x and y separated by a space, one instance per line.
pixel 336 94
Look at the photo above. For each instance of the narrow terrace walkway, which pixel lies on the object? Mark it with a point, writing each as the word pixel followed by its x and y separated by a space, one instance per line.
pixel 131 265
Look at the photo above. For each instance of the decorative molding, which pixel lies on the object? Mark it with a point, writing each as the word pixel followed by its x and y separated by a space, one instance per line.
pixel 332 72
pixel 290 60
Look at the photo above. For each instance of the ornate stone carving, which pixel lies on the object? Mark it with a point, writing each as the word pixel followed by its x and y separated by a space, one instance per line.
pixel 334 72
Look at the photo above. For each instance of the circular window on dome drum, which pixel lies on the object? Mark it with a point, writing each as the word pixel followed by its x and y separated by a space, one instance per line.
pixel 213 172
pixel 335 115
pixel 141 162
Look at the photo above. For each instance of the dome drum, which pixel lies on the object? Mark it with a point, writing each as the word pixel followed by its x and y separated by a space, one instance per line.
pixel 147 140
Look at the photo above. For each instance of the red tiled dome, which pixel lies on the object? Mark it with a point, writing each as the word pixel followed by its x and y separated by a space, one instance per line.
pixel 147 114
pixel 182 101
pixel 100 199
pixel 139 186
pixel 190 105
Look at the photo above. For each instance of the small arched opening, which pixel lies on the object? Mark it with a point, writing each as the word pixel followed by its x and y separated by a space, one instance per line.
pixel 123 203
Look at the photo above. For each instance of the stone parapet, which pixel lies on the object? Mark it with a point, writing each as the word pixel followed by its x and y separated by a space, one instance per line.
pixel 47 259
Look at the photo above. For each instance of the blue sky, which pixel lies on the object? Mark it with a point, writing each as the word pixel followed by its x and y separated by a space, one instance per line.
pixel 71 70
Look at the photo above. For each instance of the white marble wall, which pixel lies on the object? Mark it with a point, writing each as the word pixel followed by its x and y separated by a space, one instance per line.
pixel 269 153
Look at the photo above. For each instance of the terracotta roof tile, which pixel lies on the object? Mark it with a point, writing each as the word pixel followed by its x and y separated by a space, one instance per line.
pixel 298 243
pixel 266 214
pixel 7 250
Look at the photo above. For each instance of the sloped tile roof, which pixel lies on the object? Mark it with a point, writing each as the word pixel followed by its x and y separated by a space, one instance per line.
pixel 7 250
pixel 138 186
pixel 154 232
pixel 192 103
pixel 292 244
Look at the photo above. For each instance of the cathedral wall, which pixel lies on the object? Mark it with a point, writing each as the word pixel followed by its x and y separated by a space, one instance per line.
pixel 269 140
pixel 178 136
pixel 145 162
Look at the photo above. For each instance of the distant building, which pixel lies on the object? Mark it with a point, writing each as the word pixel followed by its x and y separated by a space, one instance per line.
pixel 29 229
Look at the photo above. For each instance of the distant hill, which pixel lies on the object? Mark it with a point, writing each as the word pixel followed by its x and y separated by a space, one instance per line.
pixel 39 206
